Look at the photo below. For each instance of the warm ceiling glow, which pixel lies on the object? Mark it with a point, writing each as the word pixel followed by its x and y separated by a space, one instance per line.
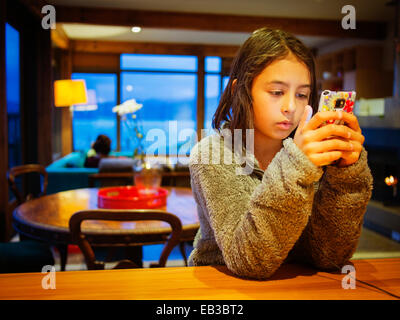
pixel 136 29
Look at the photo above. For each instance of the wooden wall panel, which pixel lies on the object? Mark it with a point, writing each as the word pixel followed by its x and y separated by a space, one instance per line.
pixel 36 88
pixel 66 116
pixel 95 62
pixel 45 97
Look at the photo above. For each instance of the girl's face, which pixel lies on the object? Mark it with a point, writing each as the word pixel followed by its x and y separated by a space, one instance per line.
pixel 280 93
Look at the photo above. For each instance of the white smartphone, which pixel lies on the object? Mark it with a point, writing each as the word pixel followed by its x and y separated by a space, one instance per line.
pixel 337 100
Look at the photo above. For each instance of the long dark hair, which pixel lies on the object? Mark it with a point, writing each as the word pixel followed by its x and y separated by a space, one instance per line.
pixel 260 49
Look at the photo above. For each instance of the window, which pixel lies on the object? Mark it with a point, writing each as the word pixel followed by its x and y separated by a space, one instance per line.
pixel 166 86
pixel 87 125
pixel 13 96
pixel 158 62
pixel 168 92
pixel 215 84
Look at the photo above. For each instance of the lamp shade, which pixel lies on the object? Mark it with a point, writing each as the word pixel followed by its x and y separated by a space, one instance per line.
pixel 91 104
pixel 69 92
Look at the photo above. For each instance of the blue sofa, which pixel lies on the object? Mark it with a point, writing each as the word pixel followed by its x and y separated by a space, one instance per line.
pixel 69 173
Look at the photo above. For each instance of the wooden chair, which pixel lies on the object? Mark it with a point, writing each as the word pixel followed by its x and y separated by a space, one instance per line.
pixel 41 252
pixel 107 179
pixel 122 215
pixel 26 255
pixel 22 170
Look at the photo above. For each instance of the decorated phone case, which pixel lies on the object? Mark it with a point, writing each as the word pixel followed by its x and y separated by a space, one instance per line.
pixel 337 100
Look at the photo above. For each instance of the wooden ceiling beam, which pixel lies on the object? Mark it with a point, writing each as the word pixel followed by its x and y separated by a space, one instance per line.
pixel 216 22
pixel 90 46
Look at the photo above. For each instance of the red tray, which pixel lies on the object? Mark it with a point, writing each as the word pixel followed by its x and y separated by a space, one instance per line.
pixel 131 197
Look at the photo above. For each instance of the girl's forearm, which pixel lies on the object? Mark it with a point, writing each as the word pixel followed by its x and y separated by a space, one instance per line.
pixel 331 238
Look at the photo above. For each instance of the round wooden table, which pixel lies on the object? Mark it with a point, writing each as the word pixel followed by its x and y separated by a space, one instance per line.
pixel 46 219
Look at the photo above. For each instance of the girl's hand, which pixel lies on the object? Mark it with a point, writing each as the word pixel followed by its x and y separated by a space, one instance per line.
pixel 326 144
pixel 350 157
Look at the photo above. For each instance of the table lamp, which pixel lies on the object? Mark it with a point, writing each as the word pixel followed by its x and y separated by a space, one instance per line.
pixel 69 92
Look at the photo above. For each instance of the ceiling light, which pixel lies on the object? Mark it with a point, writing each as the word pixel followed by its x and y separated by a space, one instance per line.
pixel 136 29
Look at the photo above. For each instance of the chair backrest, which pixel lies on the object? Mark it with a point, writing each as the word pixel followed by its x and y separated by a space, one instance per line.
pixel 122 215
pixel 25 169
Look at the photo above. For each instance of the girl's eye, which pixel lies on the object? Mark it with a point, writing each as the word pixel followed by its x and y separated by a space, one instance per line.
pixel 302 96
pixel 276 93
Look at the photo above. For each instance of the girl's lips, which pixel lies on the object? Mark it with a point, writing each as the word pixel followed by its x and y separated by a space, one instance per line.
pixel 284 125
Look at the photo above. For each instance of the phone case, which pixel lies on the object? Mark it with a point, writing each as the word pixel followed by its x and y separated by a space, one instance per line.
pixel 337 100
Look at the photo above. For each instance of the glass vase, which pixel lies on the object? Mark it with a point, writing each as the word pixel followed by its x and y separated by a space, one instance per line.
pixel 147 176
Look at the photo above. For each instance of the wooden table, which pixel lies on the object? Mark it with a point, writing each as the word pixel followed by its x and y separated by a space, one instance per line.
pixel 47 218
pixel 206 283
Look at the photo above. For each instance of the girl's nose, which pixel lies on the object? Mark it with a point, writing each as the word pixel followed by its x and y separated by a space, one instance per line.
pixel 288 105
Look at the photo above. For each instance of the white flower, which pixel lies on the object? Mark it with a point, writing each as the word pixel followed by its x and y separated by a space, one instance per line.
pixel 129 106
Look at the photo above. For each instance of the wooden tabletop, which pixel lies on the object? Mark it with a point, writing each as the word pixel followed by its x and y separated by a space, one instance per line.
pixel 206 283
pixel 47 218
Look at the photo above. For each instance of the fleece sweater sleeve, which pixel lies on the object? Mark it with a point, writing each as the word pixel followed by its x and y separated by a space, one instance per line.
pixel 256 229
pixel 331 237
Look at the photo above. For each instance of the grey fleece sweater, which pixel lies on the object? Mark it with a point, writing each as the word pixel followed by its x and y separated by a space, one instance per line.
pixel 292 211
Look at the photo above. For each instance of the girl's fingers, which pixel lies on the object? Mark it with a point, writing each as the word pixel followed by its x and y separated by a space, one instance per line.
pixel 351 120
pixel 330 145
pixel 325 143
pixel 330 130
pixel 321 117
pixel 348 158
pixel 326 158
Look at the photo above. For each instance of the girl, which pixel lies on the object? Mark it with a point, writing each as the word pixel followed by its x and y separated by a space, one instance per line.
pixel 306 196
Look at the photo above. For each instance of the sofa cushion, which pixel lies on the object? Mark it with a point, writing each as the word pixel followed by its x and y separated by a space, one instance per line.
pixel 116 165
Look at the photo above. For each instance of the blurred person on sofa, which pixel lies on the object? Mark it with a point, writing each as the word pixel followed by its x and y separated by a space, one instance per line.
pixel 100 149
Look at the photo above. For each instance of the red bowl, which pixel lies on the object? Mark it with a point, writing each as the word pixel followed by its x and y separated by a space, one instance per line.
pixel 131 197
